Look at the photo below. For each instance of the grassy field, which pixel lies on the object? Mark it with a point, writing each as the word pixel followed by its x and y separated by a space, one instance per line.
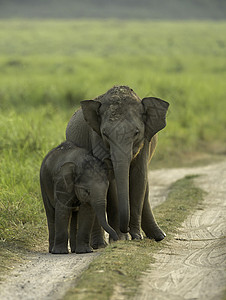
pixel 47 67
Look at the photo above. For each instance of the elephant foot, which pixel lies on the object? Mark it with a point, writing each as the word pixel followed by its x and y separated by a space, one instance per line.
pixel 99 245
pixel 83 249
pixel 73 247
pixel 122 237
pixel 136 236
pixel 160 237
pixel 59 250
pixel 51 247
pixel 157 236
pixel 135 232
pixel 98 242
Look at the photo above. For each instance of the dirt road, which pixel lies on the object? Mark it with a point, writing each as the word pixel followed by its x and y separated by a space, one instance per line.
pixel 194 264
pixel 193 267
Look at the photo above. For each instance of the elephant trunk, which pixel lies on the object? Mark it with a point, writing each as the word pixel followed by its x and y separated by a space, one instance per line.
pixel 100 211
pixel 121 171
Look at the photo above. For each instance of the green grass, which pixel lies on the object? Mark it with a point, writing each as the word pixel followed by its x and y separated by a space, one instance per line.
pixel 25 140
pixel 47 67
pixel 63 62
pixel 122 263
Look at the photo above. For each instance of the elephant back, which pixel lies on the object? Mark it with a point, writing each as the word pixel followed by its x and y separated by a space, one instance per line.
pixel 78 131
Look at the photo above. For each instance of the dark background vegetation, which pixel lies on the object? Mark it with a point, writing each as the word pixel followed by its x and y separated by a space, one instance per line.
pixel 131 9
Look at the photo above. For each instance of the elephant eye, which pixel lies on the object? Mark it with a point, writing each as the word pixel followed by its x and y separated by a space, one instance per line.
pixel 137 132
pixel 82 193
pixel 87 192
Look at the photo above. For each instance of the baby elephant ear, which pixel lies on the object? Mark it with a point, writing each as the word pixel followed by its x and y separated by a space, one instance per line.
pixel 67 174
pixel 90 109
pixel 64 184
pixel 155 115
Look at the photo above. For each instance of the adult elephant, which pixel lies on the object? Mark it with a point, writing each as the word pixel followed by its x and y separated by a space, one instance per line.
pixel 121 128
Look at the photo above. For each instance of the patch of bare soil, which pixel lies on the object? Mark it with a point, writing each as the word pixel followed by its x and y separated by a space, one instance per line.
pixel 44 276
pixel 192 268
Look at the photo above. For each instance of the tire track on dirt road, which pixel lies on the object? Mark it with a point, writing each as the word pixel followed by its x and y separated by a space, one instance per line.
pixel 193 265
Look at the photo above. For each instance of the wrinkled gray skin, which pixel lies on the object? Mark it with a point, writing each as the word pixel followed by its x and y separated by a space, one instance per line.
pixel 73 182
pixel 120 128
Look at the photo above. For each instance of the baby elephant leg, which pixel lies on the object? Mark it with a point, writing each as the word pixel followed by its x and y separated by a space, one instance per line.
pixel 85 223
pixel 73 230
pixel 62 216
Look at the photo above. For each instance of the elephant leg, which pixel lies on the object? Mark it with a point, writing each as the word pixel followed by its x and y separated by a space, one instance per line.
pixel 138 179
pixel 149 224
pixel 50 214
pixel 85 223
pixel 73 230
pixel 112 211
pixel 51 227
pixel 62 216
pixel 97 237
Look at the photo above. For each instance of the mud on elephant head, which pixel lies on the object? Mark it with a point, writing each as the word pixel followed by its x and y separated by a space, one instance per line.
pixel 124 125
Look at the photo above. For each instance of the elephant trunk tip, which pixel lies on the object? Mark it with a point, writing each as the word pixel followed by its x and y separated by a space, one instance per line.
pixel 124 220
pixel 124 229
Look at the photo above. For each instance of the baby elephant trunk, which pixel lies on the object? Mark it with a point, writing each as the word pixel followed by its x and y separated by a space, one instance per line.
pixel 100 211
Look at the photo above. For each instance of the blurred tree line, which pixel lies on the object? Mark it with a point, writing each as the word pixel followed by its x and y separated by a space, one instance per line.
pixel 148 9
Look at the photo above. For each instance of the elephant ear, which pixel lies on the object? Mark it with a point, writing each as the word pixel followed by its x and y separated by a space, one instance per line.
pixel 155 115
pixel 90 109
pixel 64 185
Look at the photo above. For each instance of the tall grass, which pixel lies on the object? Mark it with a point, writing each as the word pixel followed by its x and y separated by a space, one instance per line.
pixel 48 67
pixel 25 139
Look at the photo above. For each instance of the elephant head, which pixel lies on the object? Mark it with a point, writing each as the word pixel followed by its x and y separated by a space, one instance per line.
pixel 86 183
pixel 124 122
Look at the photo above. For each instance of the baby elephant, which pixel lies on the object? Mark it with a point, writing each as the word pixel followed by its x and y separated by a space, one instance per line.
pixel 73 183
